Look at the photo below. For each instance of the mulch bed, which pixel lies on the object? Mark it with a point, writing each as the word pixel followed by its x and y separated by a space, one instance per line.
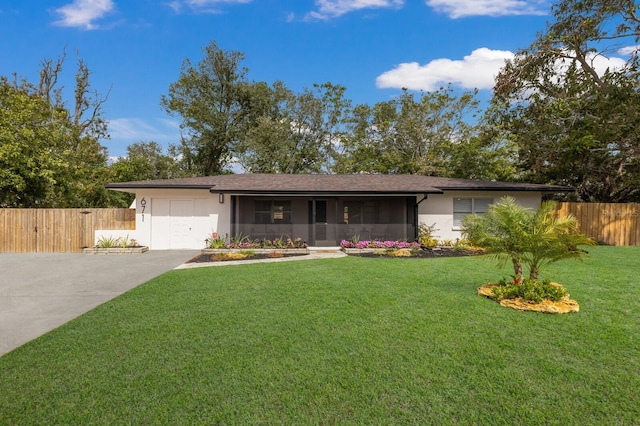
pixel 563 306
pixel 426 253
pixel 204 258
pixel 420 254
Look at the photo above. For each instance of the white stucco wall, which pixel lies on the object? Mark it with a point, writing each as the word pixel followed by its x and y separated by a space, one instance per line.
pixel 438 209
pixel 200 214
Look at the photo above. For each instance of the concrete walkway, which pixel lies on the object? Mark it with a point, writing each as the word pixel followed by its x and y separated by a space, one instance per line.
pixel 42 291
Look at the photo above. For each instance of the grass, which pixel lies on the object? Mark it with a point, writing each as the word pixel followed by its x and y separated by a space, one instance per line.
pixel 340 341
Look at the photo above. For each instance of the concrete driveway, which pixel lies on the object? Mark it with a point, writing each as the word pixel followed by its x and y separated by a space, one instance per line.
pixel 42 291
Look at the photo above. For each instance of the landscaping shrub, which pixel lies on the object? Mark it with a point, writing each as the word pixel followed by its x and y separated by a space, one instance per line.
pixel 400 253
pixel 232 256
pixel 240 241
pixel 529 290
pixel 377 244
pixel 112 242
pixel 425 235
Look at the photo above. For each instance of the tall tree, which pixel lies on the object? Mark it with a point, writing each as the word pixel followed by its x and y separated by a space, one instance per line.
pixel 212 99
pixel 335 109
pixel 430 134
pixel 146 161
pixel 31 136
pixel 50 155
pixel 575 120
pixel 282 139
pixel 296 133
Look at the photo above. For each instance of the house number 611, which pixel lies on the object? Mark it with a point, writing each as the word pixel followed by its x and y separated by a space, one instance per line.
pixel 143 204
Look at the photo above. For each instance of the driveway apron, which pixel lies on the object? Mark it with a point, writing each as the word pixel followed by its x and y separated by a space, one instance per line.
pixel 42 291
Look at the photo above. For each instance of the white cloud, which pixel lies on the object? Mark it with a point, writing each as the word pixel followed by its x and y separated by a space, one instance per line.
pixel 628 50
pixel 462 8
pixel 334 8
pixel 136 130
pixel 477 70
pixel 82 13
pixel 202 6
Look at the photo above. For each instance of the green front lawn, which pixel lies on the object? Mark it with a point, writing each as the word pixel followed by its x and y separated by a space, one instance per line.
pixel 340 341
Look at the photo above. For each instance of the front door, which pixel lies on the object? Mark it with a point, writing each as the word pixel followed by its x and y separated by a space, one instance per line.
pixel 322 223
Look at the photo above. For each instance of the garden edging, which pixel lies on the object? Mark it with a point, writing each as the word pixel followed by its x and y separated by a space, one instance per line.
pixel 258 250
pixel 360 250
pixel 115 250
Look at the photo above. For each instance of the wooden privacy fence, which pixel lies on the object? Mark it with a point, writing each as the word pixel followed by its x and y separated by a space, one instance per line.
pixel 57 230
pixel 607 223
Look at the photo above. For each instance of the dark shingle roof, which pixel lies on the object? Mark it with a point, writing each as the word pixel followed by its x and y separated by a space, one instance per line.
pixel 326 184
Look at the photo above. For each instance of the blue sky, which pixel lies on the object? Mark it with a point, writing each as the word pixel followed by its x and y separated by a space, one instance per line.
pixel 134 49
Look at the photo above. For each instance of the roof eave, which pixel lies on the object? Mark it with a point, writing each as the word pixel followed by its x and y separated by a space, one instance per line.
pixel 322 193
pixel 520 189
pixel 155 186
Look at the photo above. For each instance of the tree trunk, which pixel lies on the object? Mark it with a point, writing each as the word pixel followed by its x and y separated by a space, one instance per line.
pixel 534 273
pixel 517 267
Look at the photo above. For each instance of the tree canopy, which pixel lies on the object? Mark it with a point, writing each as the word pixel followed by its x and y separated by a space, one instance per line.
pixel 299 133
pixel 50 155
pixel 214 101
pixel 573 114
pixel 428 135
pixel 229 120
pixel 561 113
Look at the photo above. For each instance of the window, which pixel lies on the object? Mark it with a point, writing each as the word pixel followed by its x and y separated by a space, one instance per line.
pixel 262 211
pixel 361 212
pixel 465 206
pixel 272 211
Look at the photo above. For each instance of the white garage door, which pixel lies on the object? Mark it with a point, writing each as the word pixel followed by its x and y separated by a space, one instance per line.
pixel 181 223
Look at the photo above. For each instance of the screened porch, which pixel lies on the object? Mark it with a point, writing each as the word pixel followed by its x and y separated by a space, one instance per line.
pixel 325 221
